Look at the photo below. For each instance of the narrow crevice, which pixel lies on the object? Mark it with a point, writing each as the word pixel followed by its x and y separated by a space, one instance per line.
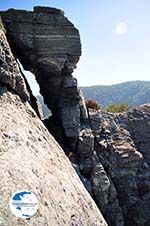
pixel 33 100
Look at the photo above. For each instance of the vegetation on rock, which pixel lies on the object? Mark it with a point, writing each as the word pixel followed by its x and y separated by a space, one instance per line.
pixel 116 108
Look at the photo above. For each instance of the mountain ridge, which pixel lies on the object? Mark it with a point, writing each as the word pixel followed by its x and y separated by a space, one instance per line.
pixel 131 92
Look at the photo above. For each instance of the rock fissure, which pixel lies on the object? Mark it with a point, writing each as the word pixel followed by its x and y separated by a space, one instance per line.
pixel 33 100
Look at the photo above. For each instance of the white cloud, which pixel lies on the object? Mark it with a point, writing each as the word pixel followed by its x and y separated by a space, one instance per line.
pixel 121 28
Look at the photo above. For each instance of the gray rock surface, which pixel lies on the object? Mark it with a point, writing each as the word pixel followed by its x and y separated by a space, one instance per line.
pixel 120 174
pixel 9 71
pixel 31 159
pixel 137 122
pixel 86 143
pixel 70 109
pixel 106 196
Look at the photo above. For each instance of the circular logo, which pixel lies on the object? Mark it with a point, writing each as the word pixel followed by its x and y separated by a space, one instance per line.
pixel 23 204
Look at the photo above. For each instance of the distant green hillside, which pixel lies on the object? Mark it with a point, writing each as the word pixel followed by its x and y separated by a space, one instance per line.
pixel 132 93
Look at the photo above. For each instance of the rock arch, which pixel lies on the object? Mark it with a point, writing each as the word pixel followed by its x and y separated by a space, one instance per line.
pixel 48 45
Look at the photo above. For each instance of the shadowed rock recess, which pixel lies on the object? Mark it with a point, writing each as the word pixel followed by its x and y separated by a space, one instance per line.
pixel 110 152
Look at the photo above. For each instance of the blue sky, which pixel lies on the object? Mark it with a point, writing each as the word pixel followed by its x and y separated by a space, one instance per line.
pixel 115 37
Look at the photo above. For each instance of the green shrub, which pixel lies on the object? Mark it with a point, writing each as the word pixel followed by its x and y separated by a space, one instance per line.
pixel 114 108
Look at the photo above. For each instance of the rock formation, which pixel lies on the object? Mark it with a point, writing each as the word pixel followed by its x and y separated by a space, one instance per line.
pixel 31 159
pixel 47 44
pixel 110 152
pixel 120 169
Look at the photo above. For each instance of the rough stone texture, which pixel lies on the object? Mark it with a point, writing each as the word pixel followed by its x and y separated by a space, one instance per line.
pixel 70 108
pixel 106 195
pixel 120 178
pixel 85 143
pixel 137 122
pixel 48 45
pixel 31 159
pixel 9 71
pixel 116 167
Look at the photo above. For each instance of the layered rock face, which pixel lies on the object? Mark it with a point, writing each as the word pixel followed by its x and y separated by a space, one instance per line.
pixel 116 167
pixel 47 44
pixel 31 159
pixel 136 121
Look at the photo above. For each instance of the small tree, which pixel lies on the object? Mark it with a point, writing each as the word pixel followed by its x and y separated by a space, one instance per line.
pixel 92 104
